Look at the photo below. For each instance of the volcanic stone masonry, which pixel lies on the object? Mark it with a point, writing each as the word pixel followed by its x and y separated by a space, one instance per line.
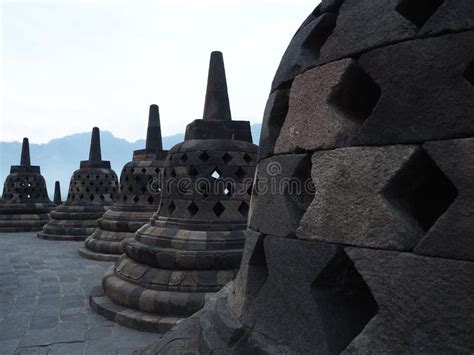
pixel 138 197
pixel 57 194
pixel 193 245
pixel 374 103
pixel 92 192
pixel 25 204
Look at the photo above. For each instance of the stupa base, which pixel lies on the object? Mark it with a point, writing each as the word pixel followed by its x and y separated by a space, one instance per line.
pixel 93 255
pixel 127 317
pixel 61 237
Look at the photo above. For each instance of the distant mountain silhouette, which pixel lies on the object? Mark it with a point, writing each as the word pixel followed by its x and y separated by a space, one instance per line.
pixel 61 156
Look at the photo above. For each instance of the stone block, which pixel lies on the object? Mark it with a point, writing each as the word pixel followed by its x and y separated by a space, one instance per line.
pixel 377 197
pixel 452 234
pixel 281 194
pixel 419 303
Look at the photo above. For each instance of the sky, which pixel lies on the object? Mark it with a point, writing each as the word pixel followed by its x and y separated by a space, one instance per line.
pixel 67 66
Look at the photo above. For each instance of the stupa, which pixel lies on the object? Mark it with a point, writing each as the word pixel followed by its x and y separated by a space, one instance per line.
pixel 25 204
pixel 193 245
pixel 92 191
pixel 372 110
pixel 138 197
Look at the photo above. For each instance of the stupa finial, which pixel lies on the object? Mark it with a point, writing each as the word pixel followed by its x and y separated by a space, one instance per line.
pixel 216 106
pixel 25 153
pixel 94 152
pixel 153 135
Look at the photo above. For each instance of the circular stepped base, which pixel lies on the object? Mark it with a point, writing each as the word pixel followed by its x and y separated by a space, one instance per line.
pixel 76 238
pixel 90 254
pixel 127 317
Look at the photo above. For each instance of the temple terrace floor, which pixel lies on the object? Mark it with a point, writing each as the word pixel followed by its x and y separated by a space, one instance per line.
pixel 43 301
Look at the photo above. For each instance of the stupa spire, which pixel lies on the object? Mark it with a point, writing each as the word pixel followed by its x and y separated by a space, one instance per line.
pixel 216 106
pixel 57 193
pixel 153 135
pixel 25 153
pixel 94 152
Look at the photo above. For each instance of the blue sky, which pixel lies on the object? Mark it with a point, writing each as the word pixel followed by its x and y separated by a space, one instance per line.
pixel 68 66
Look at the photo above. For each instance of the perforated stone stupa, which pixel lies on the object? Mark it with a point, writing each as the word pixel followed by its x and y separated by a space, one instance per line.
pixel 92 191
pixel 193 245
pixel 25 204
pixel 138 197
pixel 372 108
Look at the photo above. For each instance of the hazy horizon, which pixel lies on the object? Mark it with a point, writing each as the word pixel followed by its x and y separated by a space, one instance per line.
pixel 70 65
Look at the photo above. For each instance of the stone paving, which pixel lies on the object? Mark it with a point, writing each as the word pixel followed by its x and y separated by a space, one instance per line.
pixel 43 301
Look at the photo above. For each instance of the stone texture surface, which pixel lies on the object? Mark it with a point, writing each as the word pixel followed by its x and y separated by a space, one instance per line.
pixel 327 107
pixel 281 194
pixel 451 236
pixel 421 93
pixel 425 95
pixel 425 304
pixel 338 29
pixel 273 118
pixel 378 197
pixel 43 302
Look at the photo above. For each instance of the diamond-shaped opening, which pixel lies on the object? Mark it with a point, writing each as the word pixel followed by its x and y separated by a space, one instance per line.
pixel 173 173
pixel 143 189
pixel 249 190
pixel 171 208
pixel 143 170
pixel 218 209
pixel 203 188
pixel 130 188
pixel 244 209
pixel 418 11
pixel 91 197
pixel 216 173
pixel 192 172
pixel 124 198
pixel 469 73
pixel 229 189
pixel 192 209
pixel 311 46
pixel 136 199
pixel 355 96
pixel 247 158
pixel 226 158
pixel 344 301
pixel 81 196
pixel 204 157
pixel 184 157
pixel 102 197
pixel 240 173
pixel 257 272
pixel 420 191
pixel 150 200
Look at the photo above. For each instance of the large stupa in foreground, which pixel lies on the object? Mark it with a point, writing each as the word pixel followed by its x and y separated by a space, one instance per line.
pixel 371 114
